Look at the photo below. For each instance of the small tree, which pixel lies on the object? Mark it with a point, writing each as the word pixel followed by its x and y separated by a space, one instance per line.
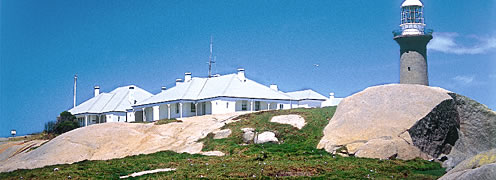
pixel 49 126
pixel 66 116
pixel 65 122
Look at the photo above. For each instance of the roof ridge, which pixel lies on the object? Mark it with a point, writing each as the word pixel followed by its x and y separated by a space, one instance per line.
pixel 113 94
pixel 204 84
pixel 119 103
pixel 280 93
pixel 187 89
pixel 228 84
pixel 96 100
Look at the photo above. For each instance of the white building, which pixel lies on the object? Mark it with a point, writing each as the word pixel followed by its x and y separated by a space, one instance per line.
pixel 307 98
pixel 109 107
pixel 215 95
pixel 331 101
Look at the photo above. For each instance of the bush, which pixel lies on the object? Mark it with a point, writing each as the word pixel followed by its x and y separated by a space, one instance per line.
pixel 65 122
pixel 49 126
pixel 65 126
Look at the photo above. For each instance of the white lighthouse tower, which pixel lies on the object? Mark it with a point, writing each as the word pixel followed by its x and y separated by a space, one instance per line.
pixel 413 39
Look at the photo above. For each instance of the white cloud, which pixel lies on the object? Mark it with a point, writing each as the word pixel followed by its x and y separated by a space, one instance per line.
pixel 445 42
pixel 464 79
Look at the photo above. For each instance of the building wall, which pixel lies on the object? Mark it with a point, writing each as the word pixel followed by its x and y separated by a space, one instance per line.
pixel 130 116
pixel 149 114
pixel 223 106
pixel 163 111
pixel 309 104
pixel 413 69
pixel 413 59
pixel 114 117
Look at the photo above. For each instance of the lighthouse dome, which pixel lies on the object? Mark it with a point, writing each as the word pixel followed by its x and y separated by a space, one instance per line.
pixel 412 3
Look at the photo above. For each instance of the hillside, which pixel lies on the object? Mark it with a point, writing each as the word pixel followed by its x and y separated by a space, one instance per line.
pixel 294 156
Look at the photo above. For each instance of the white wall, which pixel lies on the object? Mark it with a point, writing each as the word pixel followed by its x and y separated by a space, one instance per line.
pixel 163 111
pixel 148 114
pixel 114 117
pixel 309 104
pixel 130 116
pixel 223 106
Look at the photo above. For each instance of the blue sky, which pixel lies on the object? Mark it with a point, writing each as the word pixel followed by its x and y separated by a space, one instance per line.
pixel 151 43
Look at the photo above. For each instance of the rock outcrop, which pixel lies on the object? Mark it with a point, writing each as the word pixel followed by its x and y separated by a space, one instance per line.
pixel 376 122
pixel 292 119
pixel 408 121
pixel 221 134
pixel 117 140
pixel 477 131
pixel 265 137
pixel 480 166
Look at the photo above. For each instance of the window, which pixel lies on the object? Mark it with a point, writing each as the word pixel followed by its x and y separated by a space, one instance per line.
pixel 177 108
pixel 281 106
pixel 408 68
pixel 244 105
pixel 193 107
pixel 257 105
pixel 227 105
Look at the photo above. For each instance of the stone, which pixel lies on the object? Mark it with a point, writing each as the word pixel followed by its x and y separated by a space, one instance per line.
pixel 212 153
pixel 247 129
pixel 221 134
pixel 292 119
pixel 248 136
pixel 437 132
pixel 477 130
pixel 380 117
pixel 480 166
pixel 117 140
pixel 265 137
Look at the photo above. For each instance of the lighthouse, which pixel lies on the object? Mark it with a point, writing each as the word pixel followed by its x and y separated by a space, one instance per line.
pixel 413 39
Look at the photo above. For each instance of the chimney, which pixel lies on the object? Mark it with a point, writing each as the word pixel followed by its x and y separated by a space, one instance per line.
pixel 274 87
pixel 131 95
pixel 331 95
pixel 163 88
pixel 96 90
pixel 187 77
pixel 241 74
pixel 178 81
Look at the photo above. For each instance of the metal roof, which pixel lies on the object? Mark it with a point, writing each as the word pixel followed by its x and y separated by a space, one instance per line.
pixel 117 100
pixel 222 86
pixel 412 3
pixel 306 95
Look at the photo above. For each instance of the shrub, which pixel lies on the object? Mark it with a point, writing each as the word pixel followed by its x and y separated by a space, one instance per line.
pixel 49 126
pixel 65 126
pixel 65 122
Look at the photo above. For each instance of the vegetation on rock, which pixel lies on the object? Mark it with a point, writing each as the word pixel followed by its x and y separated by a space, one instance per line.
pixel 295 156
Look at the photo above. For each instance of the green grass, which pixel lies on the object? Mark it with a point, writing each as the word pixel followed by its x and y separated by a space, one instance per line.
pixel 296 157
pixel 167 121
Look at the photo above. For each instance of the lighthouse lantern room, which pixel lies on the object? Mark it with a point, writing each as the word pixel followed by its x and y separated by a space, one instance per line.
pixel 412 18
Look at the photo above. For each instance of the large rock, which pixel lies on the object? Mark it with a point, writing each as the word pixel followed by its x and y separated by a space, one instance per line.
pixel 221 134
pixel 477 130
pixel 409 121
pixel 381 117
pixel 117 140
pixel 479 167
pixel 248 136
pixel 292 119
pixel 265 137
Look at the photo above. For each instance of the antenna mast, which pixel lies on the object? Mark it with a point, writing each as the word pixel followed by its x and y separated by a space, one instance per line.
pixel 75 82
pixel 210 57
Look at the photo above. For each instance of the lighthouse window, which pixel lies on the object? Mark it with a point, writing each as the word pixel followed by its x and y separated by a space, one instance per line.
pixel 408 68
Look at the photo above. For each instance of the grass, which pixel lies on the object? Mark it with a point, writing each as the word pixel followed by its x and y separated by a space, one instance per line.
pixel 167 121
pixel 295 157
pixel 34 136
